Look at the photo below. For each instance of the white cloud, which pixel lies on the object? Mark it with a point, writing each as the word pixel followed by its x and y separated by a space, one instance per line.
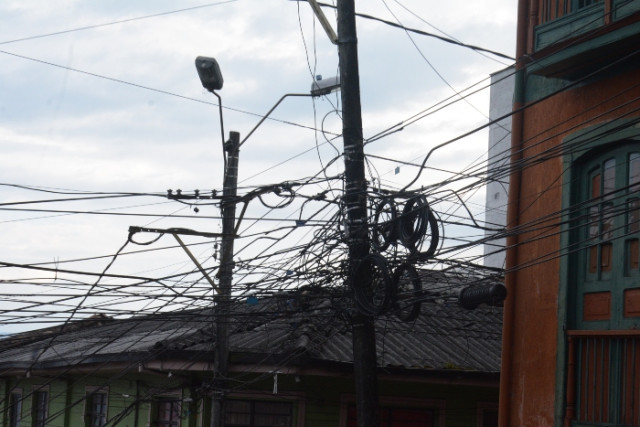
pixel 64 129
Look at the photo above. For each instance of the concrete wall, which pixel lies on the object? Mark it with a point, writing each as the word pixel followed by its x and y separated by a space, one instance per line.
pixel 501 103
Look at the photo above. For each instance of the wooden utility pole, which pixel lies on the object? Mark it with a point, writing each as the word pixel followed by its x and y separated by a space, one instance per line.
pixel 225 275
pixel 355 198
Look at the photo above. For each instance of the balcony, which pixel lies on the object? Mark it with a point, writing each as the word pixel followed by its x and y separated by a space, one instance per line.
pixel 573 38
pixel 603 378
pixel 560 20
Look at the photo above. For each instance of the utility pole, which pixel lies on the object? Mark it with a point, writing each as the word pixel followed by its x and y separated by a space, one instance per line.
pixel 363 330
pixel 225 276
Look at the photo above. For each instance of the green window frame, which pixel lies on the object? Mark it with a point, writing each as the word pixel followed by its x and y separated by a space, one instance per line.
pixel 607 288
pixel 596 358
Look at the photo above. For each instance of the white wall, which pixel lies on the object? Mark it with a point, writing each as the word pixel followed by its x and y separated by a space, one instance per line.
pixel 501 102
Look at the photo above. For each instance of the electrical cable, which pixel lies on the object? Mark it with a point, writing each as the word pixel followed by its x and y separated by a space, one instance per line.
pixel 122 21
pixel 424 33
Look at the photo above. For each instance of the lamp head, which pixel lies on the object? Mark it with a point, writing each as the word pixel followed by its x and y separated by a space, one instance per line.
pixel 209 73
pixel 322 86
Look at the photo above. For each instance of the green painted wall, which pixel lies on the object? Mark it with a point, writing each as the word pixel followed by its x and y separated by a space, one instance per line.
pixel 324 397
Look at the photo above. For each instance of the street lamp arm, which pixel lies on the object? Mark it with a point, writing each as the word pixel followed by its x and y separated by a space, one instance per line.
pixel 224 155
pixel 269 113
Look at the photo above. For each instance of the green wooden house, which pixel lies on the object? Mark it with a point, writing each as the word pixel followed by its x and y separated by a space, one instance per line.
pixel 290 365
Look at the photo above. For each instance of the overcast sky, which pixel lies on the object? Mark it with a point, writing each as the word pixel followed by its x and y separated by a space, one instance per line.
pixel 103 96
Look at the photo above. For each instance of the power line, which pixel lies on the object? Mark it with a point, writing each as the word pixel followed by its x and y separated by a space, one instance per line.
pixel 122 21
pixel 424 33
pixel 140 86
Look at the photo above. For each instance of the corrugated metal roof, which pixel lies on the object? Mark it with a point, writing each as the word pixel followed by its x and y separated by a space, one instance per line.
pixel 304 330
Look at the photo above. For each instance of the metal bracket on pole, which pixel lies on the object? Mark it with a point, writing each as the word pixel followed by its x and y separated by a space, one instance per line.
pixel 323 21
pixel 269 113
pixel 195 261
pixel 185 231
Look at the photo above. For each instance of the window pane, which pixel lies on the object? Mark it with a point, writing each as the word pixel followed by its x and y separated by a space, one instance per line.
pixel 593 259
pixel 634 171
pixel 607 221
pixel 411 417
pixel 490 418
pixel 398 417
pixel 40 408
pixel 609 183
pixel 238 406
pixel 15 410
pixel 595 186
pixel 272 421
pixel 169 413
pixel 585 3
pixel 237 413
pixel 258 413
pixel 594 222
pixel 273 407
pixel 98 409
pixel 633 216
pixel 606 251
pixel 237 419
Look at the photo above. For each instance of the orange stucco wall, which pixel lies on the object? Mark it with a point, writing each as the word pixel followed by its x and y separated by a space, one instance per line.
pixel 534 294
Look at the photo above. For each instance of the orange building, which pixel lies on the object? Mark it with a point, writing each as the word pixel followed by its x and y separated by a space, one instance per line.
pixel 571 339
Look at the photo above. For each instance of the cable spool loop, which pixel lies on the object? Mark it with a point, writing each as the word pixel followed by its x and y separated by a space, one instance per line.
pixel 408 292
pixel 384 231
pixel 374 291
pixel 432 236
pixel 414 221
pixel 285 192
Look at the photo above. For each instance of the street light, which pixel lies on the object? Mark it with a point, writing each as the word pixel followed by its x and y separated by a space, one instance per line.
pixel 318 88
pixel 325 86
pixel 211 79
pixel 209 73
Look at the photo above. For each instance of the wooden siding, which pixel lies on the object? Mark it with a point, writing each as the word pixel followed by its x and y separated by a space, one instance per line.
pixel 319 398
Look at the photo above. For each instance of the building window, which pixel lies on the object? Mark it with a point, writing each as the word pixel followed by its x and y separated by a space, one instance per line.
pixel 168 412
pixel 487 414
pixel 584 3
pixel 15 409
pixel 398 417
pixel 607 288
pixel 96 409
pixel 39 410
pixel 488 417
pixel 603 342
pixel 248 413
